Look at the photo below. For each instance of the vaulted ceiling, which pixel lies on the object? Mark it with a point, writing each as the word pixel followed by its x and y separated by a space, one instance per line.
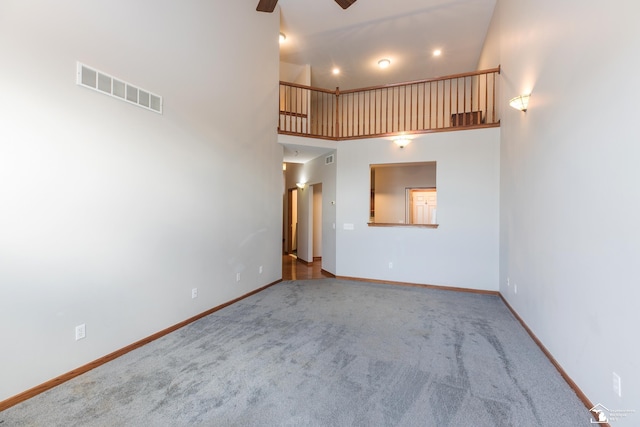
pixel 322 34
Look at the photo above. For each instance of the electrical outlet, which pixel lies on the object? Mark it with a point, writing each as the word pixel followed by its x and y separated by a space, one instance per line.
pixel 508 283
pixel 390 265
pixel 515 288
pixel 194 293
pixel 617 384
pixel 81 332
pixel 237 277
pixel 260 269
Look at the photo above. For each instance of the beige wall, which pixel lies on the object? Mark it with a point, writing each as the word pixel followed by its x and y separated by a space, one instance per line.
pixel 110 213
pixel 468 202
pixel 569 195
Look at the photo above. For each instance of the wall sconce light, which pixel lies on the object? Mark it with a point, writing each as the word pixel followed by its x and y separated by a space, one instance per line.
pixel 402 142
pixel 520 102
pixel 282 37
pixel 301 185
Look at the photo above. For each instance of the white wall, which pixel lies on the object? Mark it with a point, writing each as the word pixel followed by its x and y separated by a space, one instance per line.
pixel 463 251
pixel 305 224
pixel 294 73
pixel 570 235
pixel 111 214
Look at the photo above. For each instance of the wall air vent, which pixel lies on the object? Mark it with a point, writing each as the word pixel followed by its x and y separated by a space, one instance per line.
pixel 109 85
pixel 328 160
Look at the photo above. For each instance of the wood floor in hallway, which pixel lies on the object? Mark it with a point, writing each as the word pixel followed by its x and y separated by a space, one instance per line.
pixel 292 269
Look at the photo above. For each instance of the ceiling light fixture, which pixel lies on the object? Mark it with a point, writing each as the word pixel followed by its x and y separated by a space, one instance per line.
pixel 336 71
pixel 283 37
pixel 520 102
pixel 437 52
pixel 384 63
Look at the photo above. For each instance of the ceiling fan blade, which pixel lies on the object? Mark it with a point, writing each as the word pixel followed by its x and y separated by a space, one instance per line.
pixel 345 3
pixel 267 5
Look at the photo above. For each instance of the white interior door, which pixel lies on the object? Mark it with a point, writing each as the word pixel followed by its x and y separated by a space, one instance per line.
pixel 423 205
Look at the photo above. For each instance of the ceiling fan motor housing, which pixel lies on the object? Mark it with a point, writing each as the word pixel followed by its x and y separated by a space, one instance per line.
pixel 269 5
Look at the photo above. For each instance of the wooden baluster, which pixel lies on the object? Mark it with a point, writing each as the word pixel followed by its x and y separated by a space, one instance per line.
pixel 437 112
pixel 313 118
pixel 359 114
pixel 486 98
pixel 336 130
pixel 294 110
pixel 463 117
pixel 496 119
pixel 370 112
pixel 444 102
pixel 414 127
pixel 473 79
pixel 411 107
pixel 494 98
pixel 427 107
pixel 457 102
pixel 393 109
pixel 279 105
pixel 289 107
pixel 353 131
pixel 323 123
pixel 403 114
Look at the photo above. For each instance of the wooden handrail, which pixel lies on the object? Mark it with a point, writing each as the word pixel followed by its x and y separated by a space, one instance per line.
pixel 433 79
pixel 315 89
pixel 289 113
pixel 412 82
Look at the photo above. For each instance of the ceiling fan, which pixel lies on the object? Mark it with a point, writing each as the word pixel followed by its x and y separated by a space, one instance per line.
pixel 269 5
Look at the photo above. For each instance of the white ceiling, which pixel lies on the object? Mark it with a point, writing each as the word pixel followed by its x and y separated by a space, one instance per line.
pixel 320 33
pixel 295 153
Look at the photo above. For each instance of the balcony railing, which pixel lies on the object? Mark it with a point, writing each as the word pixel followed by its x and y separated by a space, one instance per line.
pixel 456 102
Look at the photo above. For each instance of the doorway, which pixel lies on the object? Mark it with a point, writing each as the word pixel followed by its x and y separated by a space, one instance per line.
pixel 317 222
pixel 422 205
pixel 292 222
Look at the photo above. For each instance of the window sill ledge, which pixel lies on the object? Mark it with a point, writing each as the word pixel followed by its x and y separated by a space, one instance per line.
pixel 391 224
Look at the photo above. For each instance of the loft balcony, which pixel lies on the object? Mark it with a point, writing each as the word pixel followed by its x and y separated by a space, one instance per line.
pixel 457 102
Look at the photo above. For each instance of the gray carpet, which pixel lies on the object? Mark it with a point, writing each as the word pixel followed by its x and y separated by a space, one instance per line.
pixel 325 353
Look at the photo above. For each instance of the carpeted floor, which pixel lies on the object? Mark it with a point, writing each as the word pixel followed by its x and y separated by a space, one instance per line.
pixel 325 353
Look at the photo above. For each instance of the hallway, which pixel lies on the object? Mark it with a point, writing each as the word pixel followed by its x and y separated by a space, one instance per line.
pixel 292 269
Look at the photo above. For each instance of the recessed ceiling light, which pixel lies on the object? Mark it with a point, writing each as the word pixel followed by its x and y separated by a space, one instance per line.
pixel 283 37
pixel 336 71
pixel 437 52
pixel 384 63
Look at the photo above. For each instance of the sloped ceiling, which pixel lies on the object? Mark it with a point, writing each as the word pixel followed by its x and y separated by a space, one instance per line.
pixel 322 34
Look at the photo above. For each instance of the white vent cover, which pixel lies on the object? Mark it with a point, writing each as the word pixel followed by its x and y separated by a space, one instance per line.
pixel 109 85
pixel 328 160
